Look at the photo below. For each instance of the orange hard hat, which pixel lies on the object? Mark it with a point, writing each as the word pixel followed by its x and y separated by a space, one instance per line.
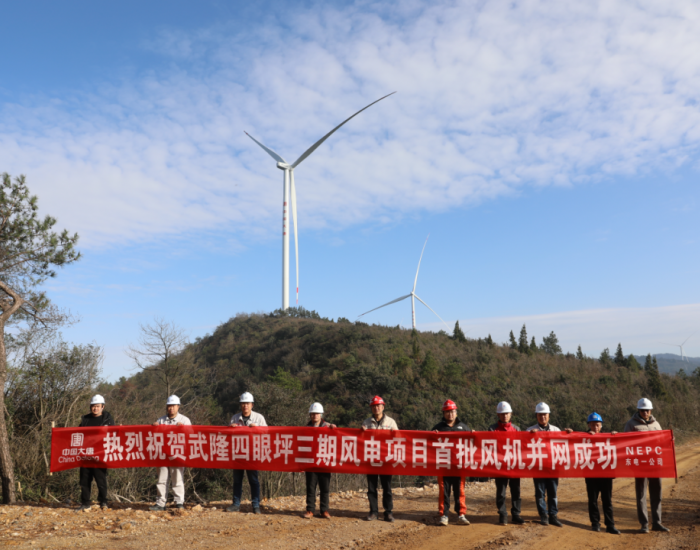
pixel 377 401
pixel 449 405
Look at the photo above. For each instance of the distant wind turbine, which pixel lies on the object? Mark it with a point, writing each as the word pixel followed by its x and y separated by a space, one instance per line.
pixel 680 345
pixel 413 296
pixel 289 186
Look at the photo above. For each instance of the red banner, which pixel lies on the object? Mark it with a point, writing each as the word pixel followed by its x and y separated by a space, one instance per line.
pixel 352 451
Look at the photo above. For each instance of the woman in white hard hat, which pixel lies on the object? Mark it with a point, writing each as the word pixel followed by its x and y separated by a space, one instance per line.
pixel 504 413
pixel 175 477
pixel 320 479
pixel 644 421
pixel 246 418
pixel 97 417
pixel 548 510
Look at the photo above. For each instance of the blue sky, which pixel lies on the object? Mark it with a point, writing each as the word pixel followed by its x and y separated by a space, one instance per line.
pixel 550 151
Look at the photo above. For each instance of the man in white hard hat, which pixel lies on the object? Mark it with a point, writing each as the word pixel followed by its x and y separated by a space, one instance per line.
pixel 320 479
pixel 379 421
pixel 97 417
pixel 246 418
pixel 175 477
pixel 504 413
pixel 547 510
pixel 644 421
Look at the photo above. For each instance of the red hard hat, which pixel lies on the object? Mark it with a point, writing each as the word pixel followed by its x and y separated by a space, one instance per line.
pixel 377 401
pixel 449 405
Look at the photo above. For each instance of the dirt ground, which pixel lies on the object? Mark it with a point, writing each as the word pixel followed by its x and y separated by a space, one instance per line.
pixel 282 528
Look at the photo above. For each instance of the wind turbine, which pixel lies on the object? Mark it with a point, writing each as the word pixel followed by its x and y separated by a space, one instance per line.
pixel 679 345
pixel 413 296
pixel 289 187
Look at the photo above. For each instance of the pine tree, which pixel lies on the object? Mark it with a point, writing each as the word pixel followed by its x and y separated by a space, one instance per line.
pixel 605 358
pixel 620 359
pixel 533 346
pixel 633 364
pixel 656 384
pixel 513 343
pixel 523 346
pixel 489 341
pixel 550 344
pixel 579 354
pixel 457 334
pixel 647 363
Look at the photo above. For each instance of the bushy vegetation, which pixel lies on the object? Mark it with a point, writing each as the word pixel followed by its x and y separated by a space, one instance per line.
pixel 288 360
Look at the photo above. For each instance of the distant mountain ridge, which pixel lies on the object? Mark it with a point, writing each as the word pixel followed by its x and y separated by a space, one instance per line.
pixel 671 363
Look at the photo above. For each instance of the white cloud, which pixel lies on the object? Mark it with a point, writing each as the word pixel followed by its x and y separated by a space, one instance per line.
pixel 639 330
pixel 492 96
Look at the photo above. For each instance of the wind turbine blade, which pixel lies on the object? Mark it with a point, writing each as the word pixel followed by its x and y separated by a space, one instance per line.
pixel 296 232
pixel 387 304
pixel 415 282
pixel 431 309
pixel 667 344
pixel 267 149
pixel 329 134
pixel 688 338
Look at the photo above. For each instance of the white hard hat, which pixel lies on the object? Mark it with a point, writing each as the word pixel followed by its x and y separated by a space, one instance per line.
pixel 173 400
pixel 97 400
pixel 644 404
pixel 503 407
pixel 542 408
pixel 247 397
pixel 316 408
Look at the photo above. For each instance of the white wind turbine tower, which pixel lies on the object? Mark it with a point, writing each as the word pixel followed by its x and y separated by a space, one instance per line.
pixel 679 345
pixel 289 187
pixel 413 296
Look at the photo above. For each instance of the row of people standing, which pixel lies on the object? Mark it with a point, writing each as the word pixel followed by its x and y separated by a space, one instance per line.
pixel 545 488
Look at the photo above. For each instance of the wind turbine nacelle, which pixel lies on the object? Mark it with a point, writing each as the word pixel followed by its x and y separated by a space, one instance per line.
pixel 283 166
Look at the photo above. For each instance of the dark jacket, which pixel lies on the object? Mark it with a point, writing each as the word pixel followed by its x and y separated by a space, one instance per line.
pixel 105 419
pixel 442 426
pixel 323 424
pixel 500 427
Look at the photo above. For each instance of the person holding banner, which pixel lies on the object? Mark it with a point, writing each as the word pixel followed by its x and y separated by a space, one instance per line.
pixel 379 421
pixel 97 417
pixel 601 485
pixel 175 477
pixel 246 418
pixel 320 479
pixel 547 510
pixel 643 421
pixel 447 484
pixel 504 413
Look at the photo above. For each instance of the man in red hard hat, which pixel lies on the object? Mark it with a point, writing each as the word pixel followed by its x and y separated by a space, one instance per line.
pixel 379 421
pixel 449 484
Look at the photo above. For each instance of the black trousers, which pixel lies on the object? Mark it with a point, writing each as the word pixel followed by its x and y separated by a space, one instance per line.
pixel 387 497
pixel 501 492
pixel 602 487
pixel 323 481
pixel 86 477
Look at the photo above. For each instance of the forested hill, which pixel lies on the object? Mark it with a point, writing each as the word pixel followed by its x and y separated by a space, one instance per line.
pixel 289 362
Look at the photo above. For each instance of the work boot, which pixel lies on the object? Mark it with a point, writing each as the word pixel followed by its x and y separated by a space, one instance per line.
pixel 104 506
pixel 308 514
pixel 595 527
pixel 659 527
pixel 84 507
pixel 463 520
pixel 444 520
pixel 554 520
pixel 372 516
pixel 518 520
pixel 157 508
pixel 257 511
pixel 325 515
pixel 180 506
pixel 503 520
pixel 645 528
pixel 612 530
pixel 544 521
pixel 388 516
pixel 234 508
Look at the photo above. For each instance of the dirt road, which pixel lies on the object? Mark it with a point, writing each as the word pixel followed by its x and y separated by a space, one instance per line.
pixel 280 526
